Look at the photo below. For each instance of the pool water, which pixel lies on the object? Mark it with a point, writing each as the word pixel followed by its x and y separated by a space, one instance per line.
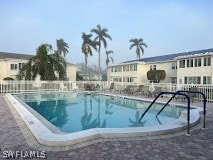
pixel 71 112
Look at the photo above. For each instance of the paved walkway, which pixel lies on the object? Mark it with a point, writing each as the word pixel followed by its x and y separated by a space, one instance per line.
pixel 176 146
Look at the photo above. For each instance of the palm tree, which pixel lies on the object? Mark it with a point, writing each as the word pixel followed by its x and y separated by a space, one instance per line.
pixel 108 57
pixel 138 43
pixel 44 64
pixel 62 47
pixel 100 38
pixel 86 48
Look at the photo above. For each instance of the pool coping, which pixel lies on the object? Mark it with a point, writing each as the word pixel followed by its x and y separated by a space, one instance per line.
pixel 46 137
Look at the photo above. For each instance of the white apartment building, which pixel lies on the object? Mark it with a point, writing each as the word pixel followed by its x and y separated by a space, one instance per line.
pixel 195 67
pixel 10 63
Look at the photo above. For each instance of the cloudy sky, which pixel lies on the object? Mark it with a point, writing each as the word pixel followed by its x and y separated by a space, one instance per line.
pixel 167 26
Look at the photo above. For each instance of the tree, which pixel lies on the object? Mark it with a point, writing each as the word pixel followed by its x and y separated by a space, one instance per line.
pixel 108 58
pixel 62 47
pixel 8 79
pixel 48 66
pixel 156 75
pixel 101 35
pixel 138 43
pixel 86 48
pixel 79 77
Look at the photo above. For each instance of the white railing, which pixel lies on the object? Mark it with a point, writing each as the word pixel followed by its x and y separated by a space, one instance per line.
pixel 34 86
pixel 170 87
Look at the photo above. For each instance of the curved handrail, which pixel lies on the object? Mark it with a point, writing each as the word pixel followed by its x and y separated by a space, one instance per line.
pixel 183 91
pixel 174 94
pixel 204 104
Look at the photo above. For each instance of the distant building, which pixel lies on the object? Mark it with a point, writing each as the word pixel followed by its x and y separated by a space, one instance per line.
pixel 11 63
pixel 194 67
pixel 91 76
pixel 92 72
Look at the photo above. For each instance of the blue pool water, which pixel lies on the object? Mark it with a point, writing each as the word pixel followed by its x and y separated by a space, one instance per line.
pixel 71 112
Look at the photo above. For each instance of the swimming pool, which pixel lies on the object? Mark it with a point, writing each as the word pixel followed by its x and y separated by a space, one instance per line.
pixel 71 112
pixel 60 119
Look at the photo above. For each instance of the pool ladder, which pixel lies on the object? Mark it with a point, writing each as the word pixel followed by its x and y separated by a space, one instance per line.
pixel 181 93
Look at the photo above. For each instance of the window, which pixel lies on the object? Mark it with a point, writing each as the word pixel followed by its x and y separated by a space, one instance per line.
pixel 197 62
pixel 13 66
pixel 153 67
pixel 192 80
pixel 128 79
pixel 206 80
pixel 111 69
pixel 173 80
pixel 126 68
pixel 182 63
pixel 115 79
pixel 19 65
pixel 189 62
pixel 207 61
pixel 116 69
pixel 135 67
pixel 131 67
pixel 174 65
pixel 185 80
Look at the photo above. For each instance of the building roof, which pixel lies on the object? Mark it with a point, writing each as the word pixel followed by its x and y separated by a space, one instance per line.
pixel 4 55
pixel 171 56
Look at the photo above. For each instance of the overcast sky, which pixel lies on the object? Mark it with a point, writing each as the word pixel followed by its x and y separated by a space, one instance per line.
pixel 167 26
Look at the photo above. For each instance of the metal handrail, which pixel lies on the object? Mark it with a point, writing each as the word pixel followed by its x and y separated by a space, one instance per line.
pixel 204 104
pixel 161 93
pixel 183 91
pixel 166 104
pixel 174 94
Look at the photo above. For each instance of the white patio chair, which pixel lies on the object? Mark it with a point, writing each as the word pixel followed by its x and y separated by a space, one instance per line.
pixel 62 87
pixel 74 87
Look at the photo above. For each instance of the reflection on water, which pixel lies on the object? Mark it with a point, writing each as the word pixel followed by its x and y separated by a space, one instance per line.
pixel 134 123
pixel 86 120
pixel 53 111
pixel 75 112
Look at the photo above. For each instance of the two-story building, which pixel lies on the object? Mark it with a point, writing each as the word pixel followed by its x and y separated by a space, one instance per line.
pixel 11 63
pixel 181 68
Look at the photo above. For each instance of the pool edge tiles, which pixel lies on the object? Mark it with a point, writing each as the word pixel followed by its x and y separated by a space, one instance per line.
pixel 48 138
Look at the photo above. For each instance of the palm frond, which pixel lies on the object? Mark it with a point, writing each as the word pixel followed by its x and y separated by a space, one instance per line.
pixel 138 43
pixel 62 47
pixel 132 45
pixel 44 64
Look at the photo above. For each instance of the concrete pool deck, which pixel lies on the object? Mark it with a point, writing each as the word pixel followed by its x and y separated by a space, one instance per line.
pixel 173 146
